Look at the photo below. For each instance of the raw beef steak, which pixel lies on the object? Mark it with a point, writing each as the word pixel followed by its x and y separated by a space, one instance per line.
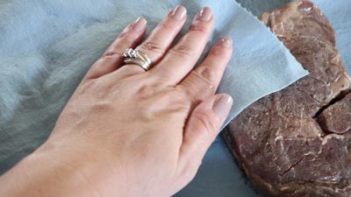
pixel 297 142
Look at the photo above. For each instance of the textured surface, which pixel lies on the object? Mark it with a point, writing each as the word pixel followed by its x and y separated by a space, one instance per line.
pixel 289 143
pixel 47 46
pixel 339 14
pixel 336 118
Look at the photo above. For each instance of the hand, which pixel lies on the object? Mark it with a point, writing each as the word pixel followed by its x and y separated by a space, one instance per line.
pixel 130 132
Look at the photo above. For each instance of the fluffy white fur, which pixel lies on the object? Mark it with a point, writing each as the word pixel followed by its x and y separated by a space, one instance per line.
pixel 45 49
pixel 48 45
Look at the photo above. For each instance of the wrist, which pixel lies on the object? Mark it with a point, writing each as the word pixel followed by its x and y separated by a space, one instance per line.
pixel 46 172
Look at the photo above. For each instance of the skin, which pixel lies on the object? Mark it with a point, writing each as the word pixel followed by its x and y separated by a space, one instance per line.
pixel 130 132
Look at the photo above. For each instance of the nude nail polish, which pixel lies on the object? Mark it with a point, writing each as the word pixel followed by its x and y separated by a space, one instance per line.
pixel 205 14
pixel 139 24
pixel 225 42
pixel 179 12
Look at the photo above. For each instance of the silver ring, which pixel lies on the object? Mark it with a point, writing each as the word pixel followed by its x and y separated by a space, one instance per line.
pixel 133 56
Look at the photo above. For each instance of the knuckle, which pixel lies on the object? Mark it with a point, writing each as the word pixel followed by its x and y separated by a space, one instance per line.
pixel 175 100
pixel 206 121
pixel 180 98
pixel 151 46
pixel 126 36
pixel 95 88
pixel 182 51
pixel 205 74
pixel 200 82
pixel 146 91
pixel 199 27
pixel 110 55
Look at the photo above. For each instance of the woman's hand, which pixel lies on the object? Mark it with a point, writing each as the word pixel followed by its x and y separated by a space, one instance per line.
pixel 130 132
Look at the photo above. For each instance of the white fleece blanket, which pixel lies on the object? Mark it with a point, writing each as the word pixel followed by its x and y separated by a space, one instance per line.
pixel 47 46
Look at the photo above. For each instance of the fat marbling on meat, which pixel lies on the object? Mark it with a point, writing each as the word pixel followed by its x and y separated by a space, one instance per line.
pixel 297 142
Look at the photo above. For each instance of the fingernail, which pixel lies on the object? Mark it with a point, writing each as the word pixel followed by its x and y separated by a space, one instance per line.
pixel 179 12
pixel 225 42
pixel 139 24
pixel 222 106
pixel 205 14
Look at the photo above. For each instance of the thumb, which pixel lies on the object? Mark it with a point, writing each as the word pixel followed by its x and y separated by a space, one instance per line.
pixel 201 130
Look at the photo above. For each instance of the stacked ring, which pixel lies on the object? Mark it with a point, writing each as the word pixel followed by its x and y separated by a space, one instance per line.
pixel 133 56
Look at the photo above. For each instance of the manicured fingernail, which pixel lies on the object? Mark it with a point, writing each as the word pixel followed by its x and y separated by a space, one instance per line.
pixel 139 24
pixel 225 42
pixel 179 12
pixel 205 14
pixel 222 105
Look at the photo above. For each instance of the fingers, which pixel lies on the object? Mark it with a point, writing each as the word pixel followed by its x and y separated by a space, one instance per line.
pixel 181 58
pixel 160 39
pixel 204 80
pixel 201 130
pixel 112 58
pixel 163 35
